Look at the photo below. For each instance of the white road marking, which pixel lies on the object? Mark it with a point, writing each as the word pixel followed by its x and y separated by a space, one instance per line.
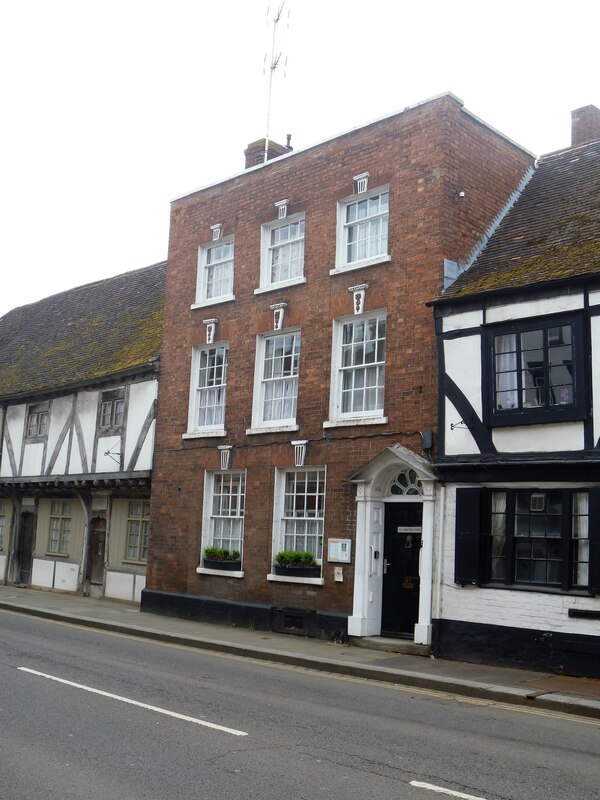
pixel 441 790
pixel 158 710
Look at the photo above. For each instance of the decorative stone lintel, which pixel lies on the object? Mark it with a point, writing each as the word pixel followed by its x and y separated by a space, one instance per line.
pixel 299 451
pixel 361 182
pixel 282 208
pixel 217 231
pixel 278 310
pixel 211 329
pixel 359 291
pixel 225 451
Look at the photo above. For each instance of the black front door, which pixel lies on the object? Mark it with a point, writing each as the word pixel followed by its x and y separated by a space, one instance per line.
pixel 25 548
pixel 401 549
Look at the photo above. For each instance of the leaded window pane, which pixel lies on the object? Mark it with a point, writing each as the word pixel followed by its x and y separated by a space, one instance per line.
pixel 534 369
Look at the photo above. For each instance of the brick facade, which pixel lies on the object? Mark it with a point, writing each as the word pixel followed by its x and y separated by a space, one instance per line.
pixel 429 156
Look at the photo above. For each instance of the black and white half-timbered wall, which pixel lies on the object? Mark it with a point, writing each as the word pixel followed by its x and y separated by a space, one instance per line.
pixel 519 428
pixel 78 387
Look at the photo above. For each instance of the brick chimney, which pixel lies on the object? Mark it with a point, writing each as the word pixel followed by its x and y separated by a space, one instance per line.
pixel 585 125
pixel 255 152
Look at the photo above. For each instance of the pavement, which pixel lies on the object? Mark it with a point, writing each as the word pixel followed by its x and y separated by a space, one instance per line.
pixel 539 690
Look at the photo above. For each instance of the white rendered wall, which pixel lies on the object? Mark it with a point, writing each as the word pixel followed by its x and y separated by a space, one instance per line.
pixel 15 422
pixel 120 585
pixel 545 438
pixel 42 573
pixel 60 410
pixel 458 322
pixel 458 441
pixel 462 359
pixel 3 564
pixel 65 576
pixel 141 397
pixel 33 455
pixel 595 337
pixel 534 308
pixel 104 462
pixel 86 409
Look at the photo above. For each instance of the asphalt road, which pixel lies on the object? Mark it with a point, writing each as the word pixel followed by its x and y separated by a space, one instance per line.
pixel 135 720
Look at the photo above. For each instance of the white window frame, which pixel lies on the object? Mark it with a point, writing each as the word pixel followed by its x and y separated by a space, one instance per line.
pixel 139 538
pixel 341 259
pixel 194 428
pixel 280 519
pixel 259 424
pixel 60 513
pixel 207 537
pixel 202 278
pixel 336 415
pixel 267 249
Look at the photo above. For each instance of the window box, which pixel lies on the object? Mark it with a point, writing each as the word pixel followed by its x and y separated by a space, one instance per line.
pixel 298 572
pixel 296 564
pixel 219 563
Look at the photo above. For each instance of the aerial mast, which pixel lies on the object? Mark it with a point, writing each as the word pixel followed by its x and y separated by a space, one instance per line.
pixel 273 64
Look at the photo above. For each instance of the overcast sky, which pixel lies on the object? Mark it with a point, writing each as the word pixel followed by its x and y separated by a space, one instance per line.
pixel 112 109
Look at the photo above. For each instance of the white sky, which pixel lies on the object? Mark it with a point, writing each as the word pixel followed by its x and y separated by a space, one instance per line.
pixel 112 109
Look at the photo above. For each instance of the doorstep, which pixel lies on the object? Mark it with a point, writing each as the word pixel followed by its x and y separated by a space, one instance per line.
pixel 390 645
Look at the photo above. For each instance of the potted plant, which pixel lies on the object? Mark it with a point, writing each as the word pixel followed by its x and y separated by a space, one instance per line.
pixel 222 558
pixel 293 562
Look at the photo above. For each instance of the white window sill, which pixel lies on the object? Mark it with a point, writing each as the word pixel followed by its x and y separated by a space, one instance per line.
pixel 213 301
pixel 288 579
pixel 272 429
pixel 206 434
pixel 281 285
pixel 366 262
pixel 339 423
pixel 221 573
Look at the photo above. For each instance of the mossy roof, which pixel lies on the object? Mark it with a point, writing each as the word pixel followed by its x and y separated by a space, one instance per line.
pixel 84 335
pixel 551 233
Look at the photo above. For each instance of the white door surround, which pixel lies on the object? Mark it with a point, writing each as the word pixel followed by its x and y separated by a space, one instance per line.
pixel 377 484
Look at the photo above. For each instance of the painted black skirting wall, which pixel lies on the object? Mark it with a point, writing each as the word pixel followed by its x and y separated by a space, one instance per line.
pixel 564 653
pixel 315 623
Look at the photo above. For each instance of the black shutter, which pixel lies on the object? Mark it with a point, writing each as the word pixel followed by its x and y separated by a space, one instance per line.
pixel 468 523
pixel 594 534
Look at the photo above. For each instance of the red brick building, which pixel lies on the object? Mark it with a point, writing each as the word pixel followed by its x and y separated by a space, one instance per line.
pixel 298 386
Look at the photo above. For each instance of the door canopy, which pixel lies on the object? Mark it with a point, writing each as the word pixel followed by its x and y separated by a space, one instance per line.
pixel 397 472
